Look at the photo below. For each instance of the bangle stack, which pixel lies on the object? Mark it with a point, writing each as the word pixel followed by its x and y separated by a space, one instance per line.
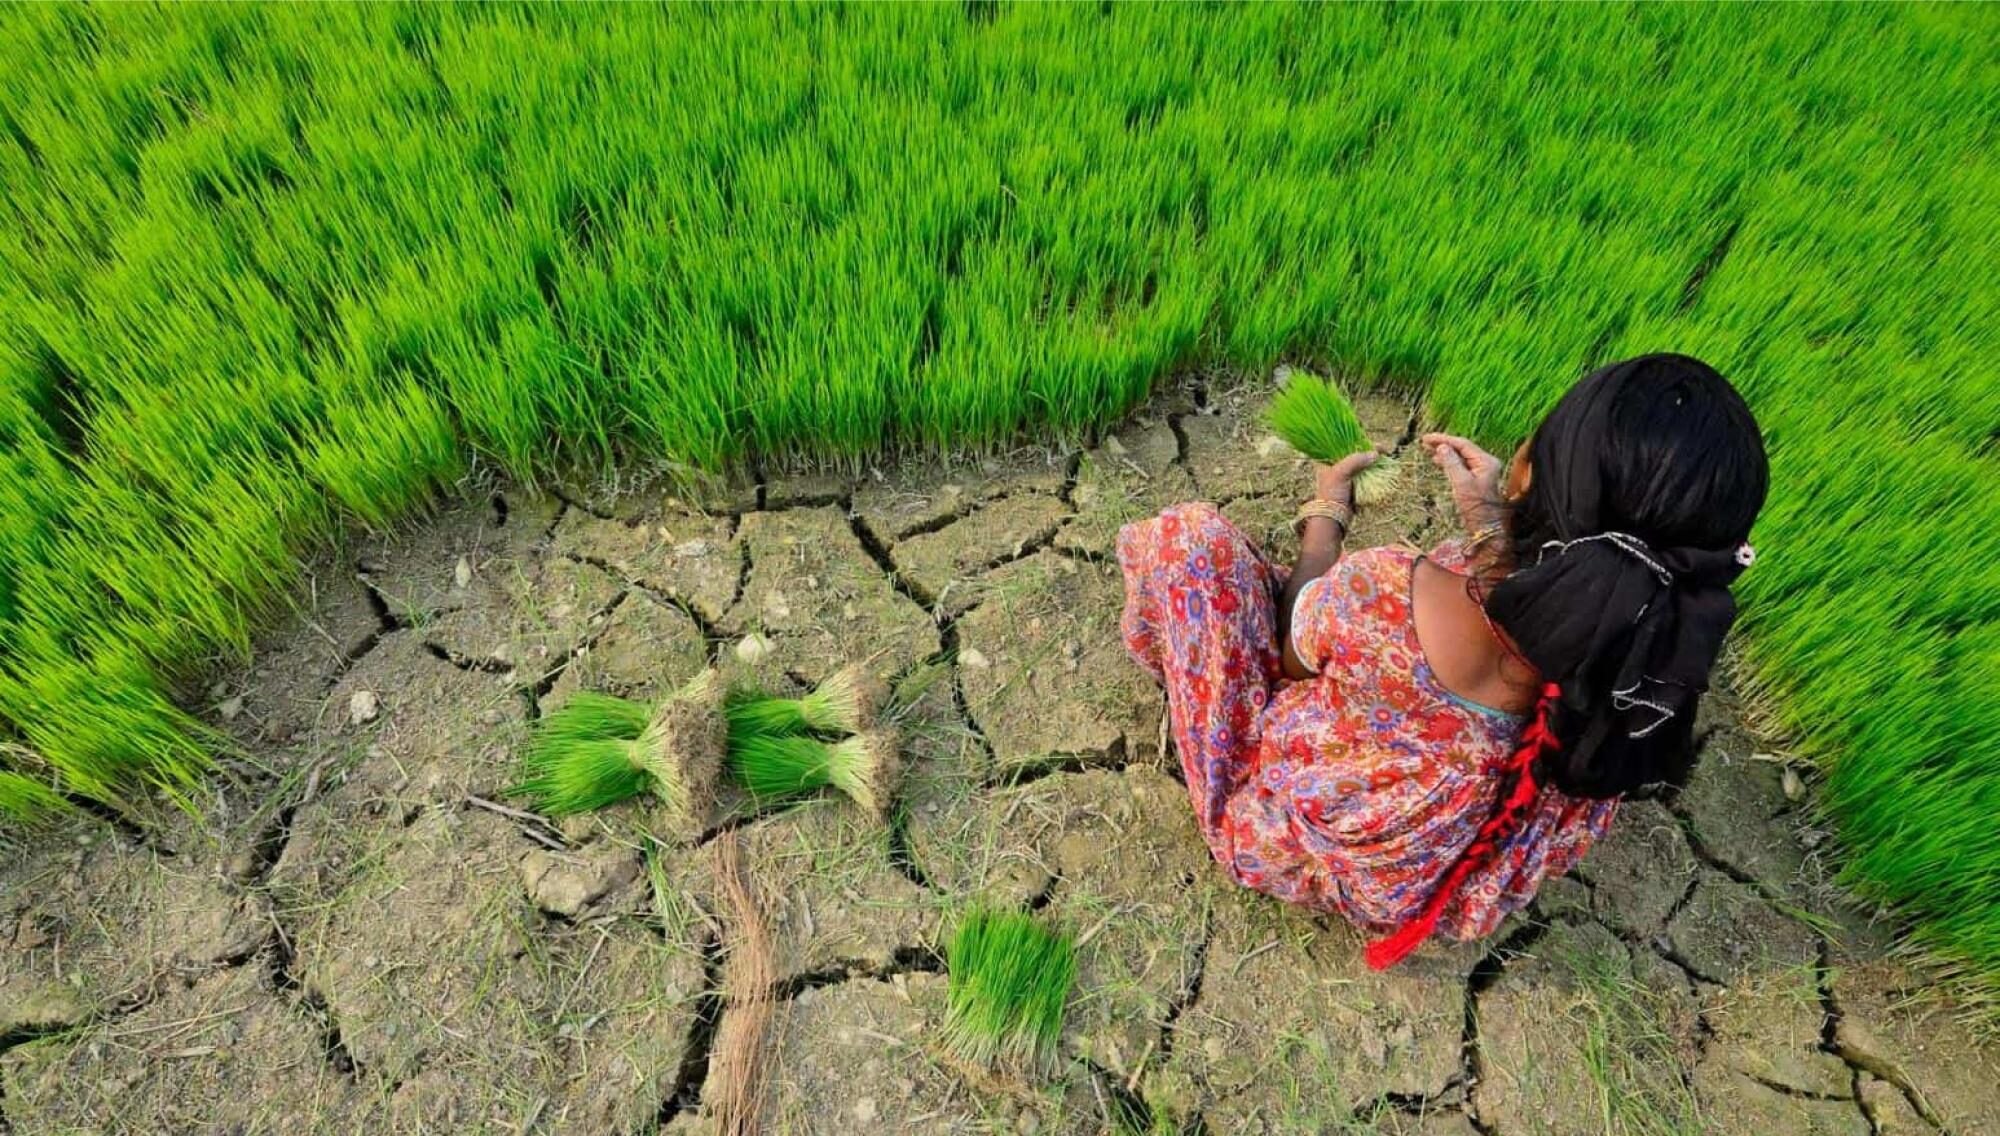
pixel 1333 511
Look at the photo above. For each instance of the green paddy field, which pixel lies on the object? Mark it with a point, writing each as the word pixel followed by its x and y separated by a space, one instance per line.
pixel 275 273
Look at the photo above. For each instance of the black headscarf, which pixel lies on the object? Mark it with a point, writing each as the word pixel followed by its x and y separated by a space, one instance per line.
pixel 1644 482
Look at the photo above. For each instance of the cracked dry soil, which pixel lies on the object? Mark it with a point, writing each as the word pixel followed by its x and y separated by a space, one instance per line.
pixel 361 936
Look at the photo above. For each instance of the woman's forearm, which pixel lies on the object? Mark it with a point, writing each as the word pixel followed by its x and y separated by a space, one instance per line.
pixel 1319 551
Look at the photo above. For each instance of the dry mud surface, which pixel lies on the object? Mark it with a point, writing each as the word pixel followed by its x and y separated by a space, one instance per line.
pixel 360 936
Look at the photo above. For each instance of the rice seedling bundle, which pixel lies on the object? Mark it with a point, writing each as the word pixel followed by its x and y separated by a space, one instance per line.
pixel 773 767
pixel 1319 421
pixel 265 267
pixel 846 703
pixel 598 750
pixel 775 750
pixel 1009 978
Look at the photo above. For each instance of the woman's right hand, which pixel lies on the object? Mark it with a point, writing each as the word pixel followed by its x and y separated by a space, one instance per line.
pixel 1336 482
pixel 1474 475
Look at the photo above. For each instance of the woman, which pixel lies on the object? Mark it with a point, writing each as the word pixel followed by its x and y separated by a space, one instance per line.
pixel 1416 741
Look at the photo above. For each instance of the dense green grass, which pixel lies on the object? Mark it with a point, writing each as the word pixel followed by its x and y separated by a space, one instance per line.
pixel 271 267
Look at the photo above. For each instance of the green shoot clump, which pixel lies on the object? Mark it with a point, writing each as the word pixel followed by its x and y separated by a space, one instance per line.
pixel 581 757
pixel 568 776
pixel 599 750
pixel 775 767
pixel 846 703
pixel 1317 420
pixel 590 716
pixel 1009 982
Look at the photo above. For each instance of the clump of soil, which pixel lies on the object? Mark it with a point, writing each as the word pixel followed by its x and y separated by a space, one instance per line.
pixel 682 748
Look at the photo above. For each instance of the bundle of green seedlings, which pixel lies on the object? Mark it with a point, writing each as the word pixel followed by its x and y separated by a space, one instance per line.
pixel 785 747
pixel 598 750
pixel 1317 420
pixel 1009 981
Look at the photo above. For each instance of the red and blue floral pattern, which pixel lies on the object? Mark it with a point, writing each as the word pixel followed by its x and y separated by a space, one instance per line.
pixel 1352 792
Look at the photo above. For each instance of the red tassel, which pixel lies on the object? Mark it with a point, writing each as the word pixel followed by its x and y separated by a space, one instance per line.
pixel 1386 952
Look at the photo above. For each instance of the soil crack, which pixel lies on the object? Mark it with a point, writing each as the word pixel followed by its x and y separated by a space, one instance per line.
pixel 1709 857
pixel 1859 1062
pixel 693 1073
pixel 1180 440
pixel 948 641
pixel 1072 470
pixel 467 662
pixel 879 553
pixel 1170 1025
pixel 901 856
pixel 1478 981
pixel 905 960
pixel 1114 758
pixel 1122 1108
pixel 385 616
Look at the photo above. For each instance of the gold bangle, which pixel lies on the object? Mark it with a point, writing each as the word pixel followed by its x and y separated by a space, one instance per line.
pixel 1333 511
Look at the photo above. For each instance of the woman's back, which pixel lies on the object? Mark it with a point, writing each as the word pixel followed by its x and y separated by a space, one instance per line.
pixel 1350 792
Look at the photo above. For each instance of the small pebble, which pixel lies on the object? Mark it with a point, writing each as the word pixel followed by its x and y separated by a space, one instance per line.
pixel 753 649
pixel 1795 786
pixel 461 576
pixel 231 709
pixel 971 657
pixel 363 707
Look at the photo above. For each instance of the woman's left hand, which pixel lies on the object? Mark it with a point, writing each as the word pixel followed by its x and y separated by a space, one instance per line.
pixel 1335 482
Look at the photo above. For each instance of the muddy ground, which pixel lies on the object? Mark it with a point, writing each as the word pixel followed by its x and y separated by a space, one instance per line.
pixel 362 936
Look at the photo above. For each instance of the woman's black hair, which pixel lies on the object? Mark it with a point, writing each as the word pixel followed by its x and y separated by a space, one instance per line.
pixel 1645 480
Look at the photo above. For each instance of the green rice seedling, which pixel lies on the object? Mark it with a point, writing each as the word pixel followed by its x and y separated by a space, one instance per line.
pixel 773 767
pixel 1318 421
pixel 27 800
pixel 581 756
pixel 578 775
pixel 598 750
pixel 591 716
pixel 1010 979
pixel 846 703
